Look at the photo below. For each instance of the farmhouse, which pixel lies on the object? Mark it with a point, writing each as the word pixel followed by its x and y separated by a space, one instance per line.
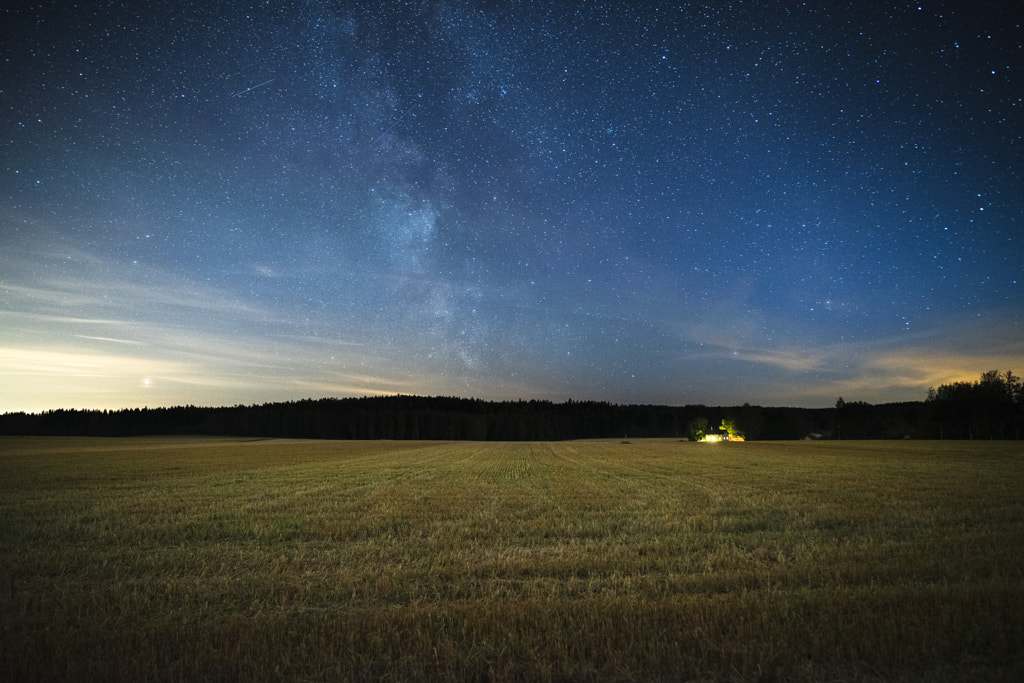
pixel 716 434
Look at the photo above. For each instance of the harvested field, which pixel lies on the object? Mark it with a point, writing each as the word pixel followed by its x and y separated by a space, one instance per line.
pixel 172 559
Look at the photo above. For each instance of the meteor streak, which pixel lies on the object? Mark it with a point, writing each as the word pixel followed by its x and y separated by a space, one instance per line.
pixel 242 92
pixel 396 122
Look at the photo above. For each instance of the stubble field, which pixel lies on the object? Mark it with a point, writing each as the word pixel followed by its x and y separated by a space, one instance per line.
pixel 173 559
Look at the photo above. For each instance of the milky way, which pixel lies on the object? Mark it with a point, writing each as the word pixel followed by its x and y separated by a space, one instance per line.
pixel 221 203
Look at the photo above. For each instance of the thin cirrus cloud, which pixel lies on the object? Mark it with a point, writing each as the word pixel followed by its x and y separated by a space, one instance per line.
pixel 102 342
pixel 174 373
pixel 88 339
pixel 101 335
pixel 71 356
pixel 897 370
pixel 899 367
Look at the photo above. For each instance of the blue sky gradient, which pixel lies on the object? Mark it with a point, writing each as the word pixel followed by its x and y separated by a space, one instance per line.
pixel 672 203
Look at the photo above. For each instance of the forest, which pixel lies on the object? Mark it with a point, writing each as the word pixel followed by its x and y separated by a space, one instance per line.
pixel 989 408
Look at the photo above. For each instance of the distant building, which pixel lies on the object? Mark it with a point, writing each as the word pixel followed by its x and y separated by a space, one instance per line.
pixel 715 435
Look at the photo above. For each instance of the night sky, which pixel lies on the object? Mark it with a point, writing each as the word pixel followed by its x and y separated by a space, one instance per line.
pixel 216 203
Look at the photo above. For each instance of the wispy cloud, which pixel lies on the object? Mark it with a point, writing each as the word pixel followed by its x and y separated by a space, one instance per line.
pixel 56 280
pixel 108 339
pixel 103 336
pixel 45 363
pixel 876 369
pixel 793 360
pixel 898 369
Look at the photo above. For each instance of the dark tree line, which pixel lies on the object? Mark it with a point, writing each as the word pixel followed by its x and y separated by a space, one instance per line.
pixel 415 417
pixel 991 408
pixel 860 420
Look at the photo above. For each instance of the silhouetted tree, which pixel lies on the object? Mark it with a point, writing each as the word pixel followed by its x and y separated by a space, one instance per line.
pixel 698 428
pixel 991 408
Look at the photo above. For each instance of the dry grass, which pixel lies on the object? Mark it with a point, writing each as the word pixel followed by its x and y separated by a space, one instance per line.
pixel 210 559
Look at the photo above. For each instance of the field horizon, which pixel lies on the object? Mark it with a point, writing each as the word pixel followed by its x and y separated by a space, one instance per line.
pixel 205 558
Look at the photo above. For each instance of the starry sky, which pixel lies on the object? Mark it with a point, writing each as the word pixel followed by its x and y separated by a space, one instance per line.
pixel 216 203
